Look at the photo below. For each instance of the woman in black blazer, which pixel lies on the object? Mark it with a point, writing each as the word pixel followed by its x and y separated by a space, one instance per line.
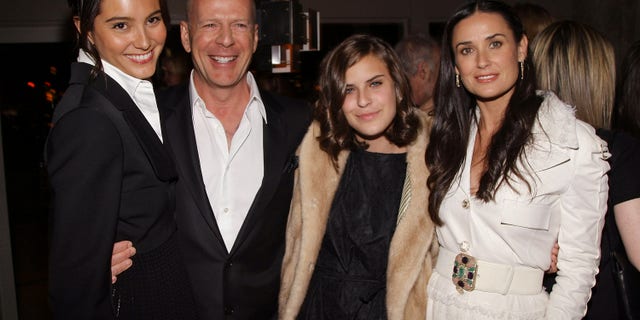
pixel 111 177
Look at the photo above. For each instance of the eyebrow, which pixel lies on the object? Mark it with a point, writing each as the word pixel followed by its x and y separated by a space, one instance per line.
pixel 495 36
pixel 490 37
pixel 375 77
pixel 112 19
pixel 368 80
pixel 129 18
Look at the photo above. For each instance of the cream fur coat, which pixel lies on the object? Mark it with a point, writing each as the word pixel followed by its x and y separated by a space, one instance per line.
pixel 413 246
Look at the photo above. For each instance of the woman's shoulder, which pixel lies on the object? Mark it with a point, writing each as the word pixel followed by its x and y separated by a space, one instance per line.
pixel 620 140
pixel 426 121
pixel 625 156
pixel 558 122
pixel 426 118
pixel 624 148
pixel 80 104
pixel 309 146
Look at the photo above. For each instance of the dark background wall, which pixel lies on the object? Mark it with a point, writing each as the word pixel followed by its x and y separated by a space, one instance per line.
pixel 46 20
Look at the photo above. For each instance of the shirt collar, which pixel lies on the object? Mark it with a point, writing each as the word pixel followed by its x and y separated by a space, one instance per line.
pixel 254 95
pixel 130 84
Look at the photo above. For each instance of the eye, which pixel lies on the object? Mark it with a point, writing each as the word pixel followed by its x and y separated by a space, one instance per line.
pixel 240 26
pixel 119 26
pixel 210 26
pixel 376 83
pixel 154 20
pixel 348 90
pixel 466 51
pixel 495 44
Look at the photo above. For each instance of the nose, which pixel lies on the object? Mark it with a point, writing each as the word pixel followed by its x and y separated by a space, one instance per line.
pixel 225 37
pixel 142 39
pixel 482 59
pixel 363 98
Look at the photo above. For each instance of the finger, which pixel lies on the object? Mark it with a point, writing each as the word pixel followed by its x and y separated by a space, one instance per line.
pixel 121 261
pixel 121 246
pixel 553 268
pixel 121 256
pixel 120 268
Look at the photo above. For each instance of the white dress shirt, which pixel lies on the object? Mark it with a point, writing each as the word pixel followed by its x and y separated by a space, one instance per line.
pixel 141 91
pixel 232 174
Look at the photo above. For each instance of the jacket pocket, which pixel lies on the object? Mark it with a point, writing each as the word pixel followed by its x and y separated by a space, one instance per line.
pixel 526 214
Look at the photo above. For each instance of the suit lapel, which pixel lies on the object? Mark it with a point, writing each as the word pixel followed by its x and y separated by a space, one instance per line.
pixel 275 156
pixel 158 156
pixel 181 139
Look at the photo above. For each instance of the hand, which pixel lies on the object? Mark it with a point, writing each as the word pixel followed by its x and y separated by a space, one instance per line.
pixel 121 258
pixel 553 268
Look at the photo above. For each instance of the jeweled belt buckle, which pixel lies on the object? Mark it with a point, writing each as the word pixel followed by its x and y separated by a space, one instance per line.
pixel 465 268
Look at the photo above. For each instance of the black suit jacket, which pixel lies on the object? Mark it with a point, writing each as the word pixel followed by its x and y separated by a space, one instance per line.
pixel 111 179
pixel 243 283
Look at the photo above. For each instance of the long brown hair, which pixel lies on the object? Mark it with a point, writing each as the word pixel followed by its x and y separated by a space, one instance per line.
pixel 454 115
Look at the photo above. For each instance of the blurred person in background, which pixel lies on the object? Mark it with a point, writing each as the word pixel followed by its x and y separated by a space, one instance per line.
pixel 627 117
pixel 420 59
pixel 175 67
pixel 534 18
pixel 578 63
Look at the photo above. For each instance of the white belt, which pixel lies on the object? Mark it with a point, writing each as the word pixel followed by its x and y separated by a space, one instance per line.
pixel 496 277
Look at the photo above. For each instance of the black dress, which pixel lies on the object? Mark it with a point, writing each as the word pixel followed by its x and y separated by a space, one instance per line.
pixel 156 287
pixel 349 279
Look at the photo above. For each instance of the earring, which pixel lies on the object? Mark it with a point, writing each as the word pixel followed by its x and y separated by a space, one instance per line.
pixel 521 70
pixel 457 80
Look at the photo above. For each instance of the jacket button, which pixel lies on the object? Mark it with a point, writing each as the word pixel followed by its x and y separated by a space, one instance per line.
pixel 229 264
pixel 228 310
pixel 465 246
pixel 465 204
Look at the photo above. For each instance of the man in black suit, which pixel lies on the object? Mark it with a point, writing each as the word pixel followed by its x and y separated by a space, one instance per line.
pixel 234 148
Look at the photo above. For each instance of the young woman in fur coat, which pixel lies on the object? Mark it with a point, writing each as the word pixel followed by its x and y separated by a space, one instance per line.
pixel 359 241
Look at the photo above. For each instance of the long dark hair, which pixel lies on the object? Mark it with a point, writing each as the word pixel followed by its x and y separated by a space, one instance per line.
pixel 335 133
pixel 87 11
pixel 628 99
pixel 454 113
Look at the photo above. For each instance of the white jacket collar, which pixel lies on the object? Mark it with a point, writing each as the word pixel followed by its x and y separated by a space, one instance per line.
pixel 557 121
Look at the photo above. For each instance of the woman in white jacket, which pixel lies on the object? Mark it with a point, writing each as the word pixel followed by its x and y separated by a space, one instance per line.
pixel 512 172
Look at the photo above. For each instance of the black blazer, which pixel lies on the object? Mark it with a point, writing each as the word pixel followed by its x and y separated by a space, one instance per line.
pixel 111 179
pixel 244 283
